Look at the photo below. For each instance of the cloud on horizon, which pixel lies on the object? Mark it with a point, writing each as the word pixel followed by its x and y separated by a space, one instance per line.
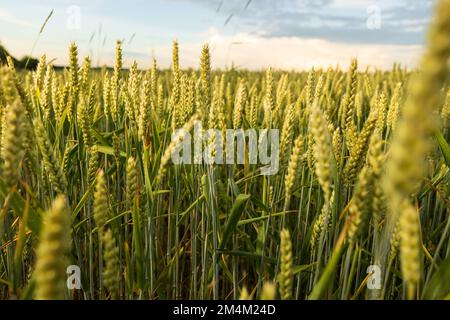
pixel 402 21
pixel 9 18
pixel 250 51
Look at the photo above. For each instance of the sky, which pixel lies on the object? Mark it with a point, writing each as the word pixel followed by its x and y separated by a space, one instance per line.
pixel 249 34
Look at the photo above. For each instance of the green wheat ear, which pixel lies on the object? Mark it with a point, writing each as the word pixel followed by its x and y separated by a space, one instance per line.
pixel 406 166
pixel 12 142
pixel 51 164
pixel 84 120
pixel 85 69
pixel 269 291
pixel 239 106
pixel 176 86
pixel 322 149
pixel 286 277
pixel 205 77
pixel 93 164
pixel 172 145
pixel 360 204
pixel 269 98
pixel 358 148
pixel 38 75
pixel 445 111
pixel 45 97
pixel 145 110
pixel 410 248
pixel 245 295
pixel 322 223
pixel 116 81
pixel 292 170
pixel 154 82
pixel 24 96
pixel 131 187
pixel 74 80
pixel 101 211
pixel 111 257
pixel 54 245
pixel 287 133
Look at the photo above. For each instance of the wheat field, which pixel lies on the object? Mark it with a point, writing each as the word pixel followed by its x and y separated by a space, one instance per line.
pixel 358 208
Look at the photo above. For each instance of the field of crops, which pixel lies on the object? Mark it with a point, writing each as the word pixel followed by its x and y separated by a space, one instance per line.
pixel 93 207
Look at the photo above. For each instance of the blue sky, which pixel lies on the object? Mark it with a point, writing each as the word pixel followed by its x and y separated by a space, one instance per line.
pixel 289 34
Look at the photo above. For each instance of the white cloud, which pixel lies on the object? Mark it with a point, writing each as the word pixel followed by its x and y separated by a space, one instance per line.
pixel 8 17
pixel 256 52
pixel 251 51
pixel 346 3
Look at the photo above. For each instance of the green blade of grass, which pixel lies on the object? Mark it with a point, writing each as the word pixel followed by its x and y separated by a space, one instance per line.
pixel 235 214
